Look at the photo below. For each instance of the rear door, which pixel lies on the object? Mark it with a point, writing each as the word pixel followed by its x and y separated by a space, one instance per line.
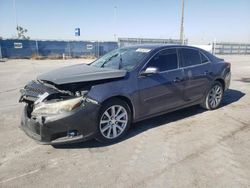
pixel 163 90
pixel 197 73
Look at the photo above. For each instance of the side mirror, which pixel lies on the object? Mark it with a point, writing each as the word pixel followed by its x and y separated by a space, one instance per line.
pixel 149 71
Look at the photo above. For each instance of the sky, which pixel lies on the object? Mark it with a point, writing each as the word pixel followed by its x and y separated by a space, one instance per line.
pixel 204 22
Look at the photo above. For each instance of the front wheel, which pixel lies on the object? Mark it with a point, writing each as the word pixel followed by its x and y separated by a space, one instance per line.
pixel 114 121
pixel 213 97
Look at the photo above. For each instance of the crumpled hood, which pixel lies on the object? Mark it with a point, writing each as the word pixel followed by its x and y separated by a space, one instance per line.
pixel 80 73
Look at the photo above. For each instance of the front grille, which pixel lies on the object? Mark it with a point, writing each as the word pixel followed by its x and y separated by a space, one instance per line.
pixel 34 89
pixel 37 88
pixel 37 91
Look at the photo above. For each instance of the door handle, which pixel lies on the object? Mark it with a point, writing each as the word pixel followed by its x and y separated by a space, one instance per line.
pixel 177 79
pixel 206 73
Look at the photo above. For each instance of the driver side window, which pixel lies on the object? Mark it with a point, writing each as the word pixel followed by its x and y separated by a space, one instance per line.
pixel 164 60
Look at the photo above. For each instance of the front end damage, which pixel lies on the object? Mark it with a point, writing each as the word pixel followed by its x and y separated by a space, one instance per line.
pixel 55 114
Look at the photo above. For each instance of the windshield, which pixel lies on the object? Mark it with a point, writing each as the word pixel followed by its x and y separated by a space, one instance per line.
pixel 122 58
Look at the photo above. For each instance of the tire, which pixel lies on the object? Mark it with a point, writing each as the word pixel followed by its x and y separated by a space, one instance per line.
pixel 213 97
pixel 114 120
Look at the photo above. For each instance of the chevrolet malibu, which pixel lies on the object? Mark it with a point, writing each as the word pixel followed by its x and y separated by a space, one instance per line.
pixel 101 100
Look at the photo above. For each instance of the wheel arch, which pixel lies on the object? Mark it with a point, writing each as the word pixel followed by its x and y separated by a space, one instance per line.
pixel 125 99
pixel 221 81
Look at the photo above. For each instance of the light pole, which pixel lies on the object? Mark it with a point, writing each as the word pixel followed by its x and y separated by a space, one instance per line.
pixel 182 24
pixel 15 15
pixel 115 13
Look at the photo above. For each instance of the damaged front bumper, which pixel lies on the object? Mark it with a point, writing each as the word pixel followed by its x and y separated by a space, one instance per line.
pixel 77 125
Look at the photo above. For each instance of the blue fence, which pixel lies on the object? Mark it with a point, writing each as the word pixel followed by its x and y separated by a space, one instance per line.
pixel 11 48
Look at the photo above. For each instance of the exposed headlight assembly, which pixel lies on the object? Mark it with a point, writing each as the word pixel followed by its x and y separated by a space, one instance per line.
pixel 53 108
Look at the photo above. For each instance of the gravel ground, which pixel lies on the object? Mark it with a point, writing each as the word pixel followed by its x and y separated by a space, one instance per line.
pixel 186 148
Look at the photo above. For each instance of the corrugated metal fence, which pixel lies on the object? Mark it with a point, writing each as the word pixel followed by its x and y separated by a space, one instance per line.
pixel 231 48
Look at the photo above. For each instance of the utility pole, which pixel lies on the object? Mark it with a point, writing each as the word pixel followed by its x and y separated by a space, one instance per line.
pixel 115 13
pixel 182 24
pixel 15 15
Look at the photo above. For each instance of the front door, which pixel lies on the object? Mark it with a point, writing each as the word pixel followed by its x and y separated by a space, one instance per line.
pixel 163 90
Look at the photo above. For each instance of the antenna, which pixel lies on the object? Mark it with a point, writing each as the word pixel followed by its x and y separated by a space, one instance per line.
pixel 182 24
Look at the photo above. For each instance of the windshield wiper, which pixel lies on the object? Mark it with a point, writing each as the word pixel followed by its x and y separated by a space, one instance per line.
pixel 108 60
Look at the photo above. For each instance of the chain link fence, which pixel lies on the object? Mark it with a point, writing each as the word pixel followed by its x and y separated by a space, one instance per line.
pixel 231 48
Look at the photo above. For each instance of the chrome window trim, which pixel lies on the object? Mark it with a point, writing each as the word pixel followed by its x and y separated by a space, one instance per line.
pixel 167 48
pixel 191 66
pixel 178 58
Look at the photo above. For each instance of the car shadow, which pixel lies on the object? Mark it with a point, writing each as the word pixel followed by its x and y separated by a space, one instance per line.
pixel 244 79
pixel 230 97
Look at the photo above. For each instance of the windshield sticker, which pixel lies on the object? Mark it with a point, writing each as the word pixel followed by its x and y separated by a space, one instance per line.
pixel 143 50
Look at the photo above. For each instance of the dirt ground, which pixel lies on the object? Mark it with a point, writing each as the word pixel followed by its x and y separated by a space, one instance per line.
pixel 186 148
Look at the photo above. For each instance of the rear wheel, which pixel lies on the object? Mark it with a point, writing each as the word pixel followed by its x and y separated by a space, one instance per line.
pixel 213 97
pixel 114 121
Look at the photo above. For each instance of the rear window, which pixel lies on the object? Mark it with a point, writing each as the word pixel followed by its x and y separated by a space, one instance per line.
pixel 204 59
pixel 211 56
pixel 190 57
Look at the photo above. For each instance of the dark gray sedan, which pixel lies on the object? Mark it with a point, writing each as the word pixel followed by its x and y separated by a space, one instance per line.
pixel 102 99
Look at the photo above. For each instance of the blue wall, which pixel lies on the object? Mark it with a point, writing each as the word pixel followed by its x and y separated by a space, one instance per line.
pixel 54 48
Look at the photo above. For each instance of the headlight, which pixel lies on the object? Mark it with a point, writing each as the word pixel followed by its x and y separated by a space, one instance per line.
pixel 52 108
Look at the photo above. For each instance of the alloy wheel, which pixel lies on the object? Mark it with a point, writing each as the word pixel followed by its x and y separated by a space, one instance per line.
pixel 215 96
pixel 113 121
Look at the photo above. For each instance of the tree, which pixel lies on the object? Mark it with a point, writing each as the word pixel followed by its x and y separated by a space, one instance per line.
pixel 21 33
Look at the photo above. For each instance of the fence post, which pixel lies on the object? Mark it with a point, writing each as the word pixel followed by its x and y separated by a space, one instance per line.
pixel 37 52
pixel 1 57
pixel 98 49
pixel 214 44
pixel 69 49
